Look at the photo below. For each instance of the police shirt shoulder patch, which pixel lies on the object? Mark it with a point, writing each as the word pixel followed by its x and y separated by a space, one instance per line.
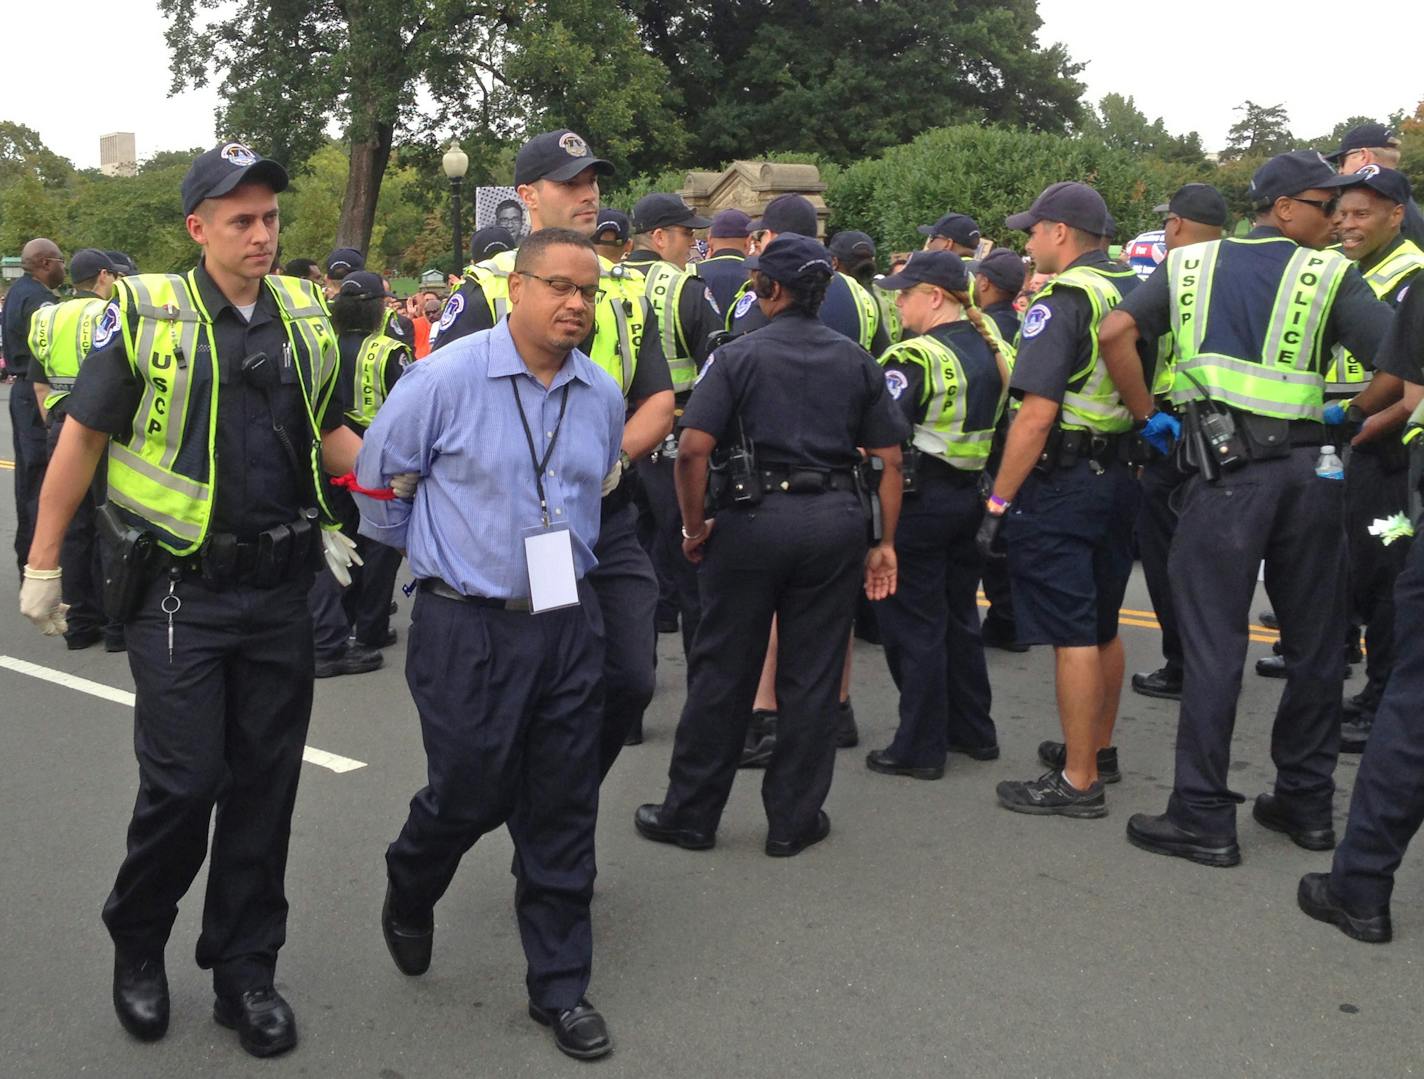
pixel 1036 319
pixel 711 300
pixel 108 326
pixel 744 304
pixel 453 307
pixel 705 368
pixel 896 383
pixel 1402 293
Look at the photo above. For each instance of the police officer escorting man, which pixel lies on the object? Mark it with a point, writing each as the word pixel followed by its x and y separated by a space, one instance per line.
pixel 222 522
pixel 951 382
pixel 1196 213
pixel 557 177
pixel 663 233
pixel 1067 499
pixel 788 538
pixel 61 335
pixel 512 430
pixel 1253 321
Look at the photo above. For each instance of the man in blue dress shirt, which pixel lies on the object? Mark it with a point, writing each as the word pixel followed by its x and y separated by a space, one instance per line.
pixel 513 432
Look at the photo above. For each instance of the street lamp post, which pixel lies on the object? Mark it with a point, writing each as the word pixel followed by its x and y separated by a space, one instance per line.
pixel 455 163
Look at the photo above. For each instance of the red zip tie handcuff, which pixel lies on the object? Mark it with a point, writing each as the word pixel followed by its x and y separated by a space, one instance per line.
pixel 383 494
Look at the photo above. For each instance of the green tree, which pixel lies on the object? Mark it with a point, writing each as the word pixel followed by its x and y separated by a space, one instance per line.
pixel 28 209
pixel 1263 130
pixel 848 79
pixel 1121 125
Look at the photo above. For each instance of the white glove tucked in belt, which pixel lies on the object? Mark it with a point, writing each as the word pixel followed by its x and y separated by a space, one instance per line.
pixel 340 551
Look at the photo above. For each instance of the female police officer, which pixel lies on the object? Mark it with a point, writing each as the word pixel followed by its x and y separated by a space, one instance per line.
pixel 951 382
pixel 789 540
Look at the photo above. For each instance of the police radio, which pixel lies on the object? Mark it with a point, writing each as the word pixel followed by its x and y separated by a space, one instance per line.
pixel 1217 428
pixel 743 479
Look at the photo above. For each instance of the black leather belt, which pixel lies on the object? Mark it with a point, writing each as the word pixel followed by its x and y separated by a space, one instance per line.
pixel 803 481
pixel 436 587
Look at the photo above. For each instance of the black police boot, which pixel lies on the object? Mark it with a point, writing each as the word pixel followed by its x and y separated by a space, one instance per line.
pixel 1354 733
pixel 1363 703
pixel 579 1032
pixel 1318 899
pixel 264 1022
pixel 1268 619
pixel 1161 835
pixel 1274 813
pixel 761 739
pixel 141 997
pixel 1165 683
pixel 1272 666
pixel 648 820
pixel 879 760
pixel 354 659
pixel 789 848
pixel 847 734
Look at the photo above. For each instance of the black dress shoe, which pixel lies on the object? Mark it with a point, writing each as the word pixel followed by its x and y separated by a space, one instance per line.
pixel 1318 899
pixel 847 734
pixel 648 819
pixel 1268 619
pixel 141 997
pixel 409 942
pixel 1354 733
pixel 579 1031
pixel 1271 667
pixel 1055 755
pixel 634 737
pixel 355 659
pixel 1161 836
pixel 786 848
pixel 978 753
pixel 264 1021
pixel 1363 703
pixel 1270 812
pixel 879 760
pixel 1164 683
pixel 387 641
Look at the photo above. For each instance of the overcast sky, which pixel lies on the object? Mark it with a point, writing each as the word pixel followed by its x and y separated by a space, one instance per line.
pixel 1190 66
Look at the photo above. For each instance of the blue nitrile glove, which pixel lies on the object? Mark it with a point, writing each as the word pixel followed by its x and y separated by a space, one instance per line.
pixel 1334 414
pixel 1161 430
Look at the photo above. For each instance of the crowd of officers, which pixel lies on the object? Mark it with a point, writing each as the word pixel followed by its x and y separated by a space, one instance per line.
pixel 766 447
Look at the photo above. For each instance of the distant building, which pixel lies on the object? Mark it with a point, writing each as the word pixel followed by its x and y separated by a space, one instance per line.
pixel 117 154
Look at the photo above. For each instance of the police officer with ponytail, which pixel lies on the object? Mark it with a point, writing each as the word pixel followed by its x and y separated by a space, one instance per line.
pixel 951 382
pixel 213 394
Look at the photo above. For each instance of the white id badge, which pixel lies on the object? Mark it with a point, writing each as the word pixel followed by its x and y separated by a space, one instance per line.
pixel 549 553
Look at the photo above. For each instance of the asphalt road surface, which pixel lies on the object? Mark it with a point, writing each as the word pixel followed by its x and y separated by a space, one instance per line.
pixel 933 933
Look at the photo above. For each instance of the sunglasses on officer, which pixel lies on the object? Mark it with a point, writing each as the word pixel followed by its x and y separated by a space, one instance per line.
pixel 1325 206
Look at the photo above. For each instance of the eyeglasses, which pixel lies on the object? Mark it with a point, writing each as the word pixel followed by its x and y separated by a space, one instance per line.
pixel 53 258
pixel 1327 206
pixel 563 287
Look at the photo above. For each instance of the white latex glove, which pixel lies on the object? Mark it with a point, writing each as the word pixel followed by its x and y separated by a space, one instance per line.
pixel 615 474
pixel 41 603
pixel 403 484
pixel 340 551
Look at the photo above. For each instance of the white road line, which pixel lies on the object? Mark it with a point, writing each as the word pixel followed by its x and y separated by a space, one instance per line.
pixel 320 757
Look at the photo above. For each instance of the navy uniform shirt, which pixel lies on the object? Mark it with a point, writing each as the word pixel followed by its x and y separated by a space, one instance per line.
pixel 26 296
pixel 1056 341
pixel 981 370
pixel 724 271
pixel 1005 318
pixel 1401 353
pixel 467 312
pixel 256 486
pixel 1356 319
pixel 839 311
pixel 698 313
pixel 1413 228
pixel 807 396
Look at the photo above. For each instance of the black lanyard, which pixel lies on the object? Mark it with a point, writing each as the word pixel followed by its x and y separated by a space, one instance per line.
pixel 539 465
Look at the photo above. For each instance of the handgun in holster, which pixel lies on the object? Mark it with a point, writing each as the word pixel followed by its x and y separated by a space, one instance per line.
pixel 127 562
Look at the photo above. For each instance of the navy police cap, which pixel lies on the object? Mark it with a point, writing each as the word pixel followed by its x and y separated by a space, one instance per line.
pixel 788 213
pixel 615 222
pixel 345 258
pixel 960 228
pixel 795 260
pixel 490 240
pixel 1364 137
pixel 1390 183
pixel 215 173
pixel 556 155
pixel 1076 205
pixel 87 262
pixel 943 269
pixel 1004 268
pixel 1289 174
pixel 1196 202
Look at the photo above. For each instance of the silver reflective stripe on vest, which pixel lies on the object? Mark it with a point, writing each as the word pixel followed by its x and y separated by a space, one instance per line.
pixel 1193 268
pixel 1202 364
pixel 175 331
pixel 1088 401
pixel 1304 320
pixel 625 343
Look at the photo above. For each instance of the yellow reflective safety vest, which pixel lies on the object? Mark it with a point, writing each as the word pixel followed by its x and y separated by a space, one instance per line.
pixel 368 383
pixel 889 313
pixel 618 321
pixel 1277 375
pixel 163 473
pixel 1091 401
pixel 957 433
pixel 1346 374
pixel 867 310
pixel 61 335
pixel 665 283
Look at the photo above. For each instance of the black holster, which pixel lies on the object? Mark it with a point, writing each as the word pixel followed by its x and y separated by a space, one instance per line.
pixel 128 568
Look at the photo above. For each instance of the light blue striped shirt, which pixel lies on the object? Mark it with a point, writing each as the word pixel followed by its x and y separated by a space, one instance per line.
pixel 452 419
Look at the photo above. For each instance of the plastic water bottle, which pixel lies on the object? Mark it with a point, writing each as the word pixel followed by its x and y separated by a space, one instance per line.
pixel 1329 466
